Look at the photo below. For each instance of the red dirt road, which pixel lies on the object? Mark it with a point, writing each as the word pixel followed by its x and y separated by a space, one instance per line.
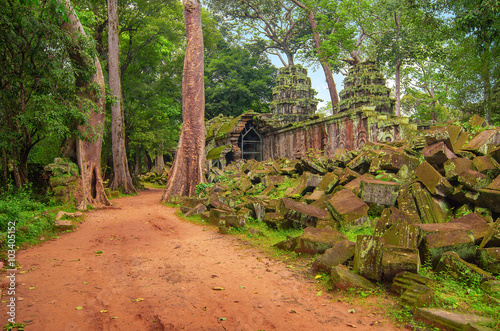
pixel 157 272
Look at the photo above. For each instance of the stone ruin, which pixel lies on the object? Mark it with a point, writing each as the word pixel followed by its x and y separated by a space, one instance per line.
pixel 365 86
pixel 432 199
pixel 293 96
pixel 365 115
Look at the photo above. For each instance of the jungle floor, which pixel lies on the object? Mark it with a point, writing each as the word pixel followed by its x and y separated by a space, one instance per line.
pixel 137 266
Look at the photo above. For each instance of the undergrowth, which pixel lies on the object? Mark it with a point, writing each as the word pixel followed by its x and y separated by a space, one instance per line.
pixel 26 219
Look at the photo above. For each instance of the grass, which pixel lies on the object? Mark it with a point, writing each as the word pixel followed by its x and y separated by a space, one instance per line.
pixel 34 220
pixel 452 294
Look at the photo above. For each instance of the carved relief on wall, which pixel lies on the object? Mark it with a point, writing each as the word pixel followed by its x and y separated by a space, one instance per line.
pixel 386 134
pixel 362 134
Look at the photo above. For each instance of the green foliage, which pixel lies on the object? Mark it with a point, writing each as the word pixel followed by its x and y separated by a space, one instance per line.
pixel 454 294
pixel 237 81
pixel 39 97
pixel 31 220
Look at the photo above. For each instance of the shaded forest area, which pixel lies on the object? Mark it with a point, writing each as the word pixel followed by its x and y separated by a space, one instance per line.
pixel 123 120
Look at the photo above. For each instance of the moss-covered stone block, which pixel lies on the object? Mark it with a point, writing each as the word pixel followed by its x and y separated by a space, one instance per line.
pixel 437 243
pixel 448 320
pixel 473 180
pixel 432 179
pixel 343 279
pixel 405 279
pixel 396 259
pixel 379 192
pixel 428 209
pixel 339 253
pixel 313 240
pixel 489 259
pixel 479 144
pixel 368 257
pixel 347 208
pixel 418 295
pixel 301 213
pixel 454 167
pixel 451 264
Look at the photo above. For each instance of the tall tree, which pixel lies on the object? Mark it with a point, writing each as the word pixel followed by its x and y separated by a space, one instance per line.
pixel 38 95
pixel 277 25
pixel 121 175
pixel 188 168
pixel 309 7
pixel 88 148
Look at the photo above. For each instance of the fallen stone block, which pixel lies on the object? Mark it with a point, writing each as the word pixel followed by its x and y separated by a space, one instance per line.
pixel 276 221
pixel 407 205
pixel 479 144
pixel 405 279
pixel 313 240
pixel 448 320
pixel 396 259
pixel 473 180
pixel 273 180
pixel 354 185
pixel 301 213
pixel 314 167
pixel 428 209
pixel 61 214
pixel 489 259
pixel 196 210
pixel 379 192
pixel 494 185
pixel 63 225
pixel 402 234
pixel 492 238
pixel 432 179
pixel 454 167
pixel 451 264
pixel 487 166
pixel 347 175
pixel 395 160
pixel 437 154
pixel 418 295
pixel 234 221
pixel 339 253
pixel 328 183
pixel 217 216
pixel 486 198
pixel 458 138
pixel 437 243
pixel 347 208
pixel 288 244
pixel 307 183
pixel 343 279
pixel 314 196
pixel 495 153
pixel 368 257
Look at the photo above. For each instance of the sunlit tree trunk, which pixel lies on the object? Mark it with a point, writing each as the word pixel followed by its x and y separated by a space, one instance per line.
pixel 332 88
pixel 121 176
pixel 397 23
pixel 188 168
pixel 88 151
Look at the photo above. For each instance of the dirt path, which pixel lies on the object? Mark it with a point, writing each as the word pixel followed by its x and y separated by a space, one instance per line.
pixel 157 272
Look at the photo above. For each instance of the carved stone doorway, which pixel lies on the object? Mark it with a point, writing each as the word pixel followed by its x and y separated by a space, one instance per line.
pixel 250 143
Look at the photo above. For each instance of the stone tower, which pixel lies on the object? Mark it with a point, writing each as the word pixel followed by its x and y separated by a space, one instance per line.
pixel 365 86
pixel 293 97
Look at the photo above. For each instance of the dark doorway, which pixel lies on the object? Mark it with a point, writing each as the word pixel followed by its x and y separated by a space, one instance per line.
pixel 250 143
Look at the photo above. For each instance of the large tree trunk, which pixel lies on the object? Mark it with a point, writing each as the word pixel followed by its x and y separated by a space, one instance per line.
pixel 188 168
pixel 332 88
pixel 121 176
pixel 159 162
pixel 398 87
pixel 397 24
pixel 88 151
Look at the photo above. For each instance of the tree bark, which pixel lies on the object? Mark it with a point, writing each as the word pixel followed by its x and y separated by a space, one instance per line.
pixel 397 23
pixel 159 163
pixel 188 168
pixel 121 175
pixel 88 151
pixel 332 88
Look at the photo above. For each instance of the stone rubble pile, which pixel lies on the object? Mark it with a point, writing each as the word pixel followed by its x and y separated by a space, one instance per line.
pixel 433 199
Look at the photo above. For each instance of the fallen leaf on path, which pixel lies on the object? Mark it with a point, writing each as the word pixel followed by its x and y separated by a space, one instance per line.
pixel 318 276
pixel 218 288
pixel 351 325
pixel 352 311
pixel 293 312
pixel 114 317
pixel 31 288
pixel 79 308
pixel 222 318
pixel 103 311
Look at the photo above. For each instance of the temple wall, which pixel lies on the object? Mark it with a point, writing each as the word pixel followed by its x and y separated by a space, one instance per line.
pixel 348 130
